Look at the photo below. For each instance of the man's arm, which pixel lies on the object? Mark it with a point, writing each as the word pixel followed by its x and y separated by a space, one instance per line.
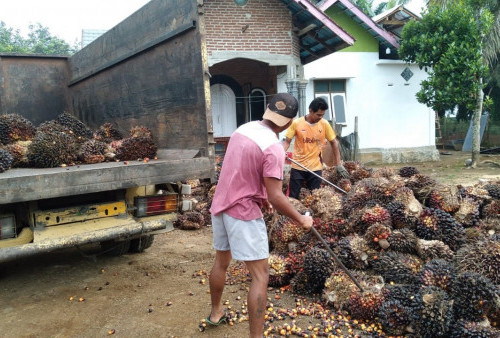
pixel 280 202
pixel 336 151
pixel 286 143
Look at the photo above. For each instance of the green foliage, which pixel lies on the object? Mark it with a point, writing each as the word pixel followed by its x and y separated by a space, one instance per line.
pixel 448 44
pixel 38 41
pixel 370 8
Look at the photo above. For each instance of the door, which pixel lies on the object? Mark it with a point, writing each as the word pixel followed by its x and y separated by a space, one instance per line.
pixel 223 110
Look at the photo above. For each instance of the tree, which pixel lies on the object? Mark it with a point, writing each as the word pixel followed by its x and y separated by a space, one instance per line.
pixel 372 7
pixel 448 43
pixel 38 41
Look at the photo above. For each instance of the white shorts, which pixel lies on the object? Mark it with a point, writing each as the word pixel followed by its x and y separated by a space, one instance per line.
pixel 247 240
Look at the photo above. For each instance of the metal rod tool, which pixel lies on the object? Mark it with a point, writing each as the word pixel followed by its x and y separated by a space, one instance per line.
pixel 312 172
pixel 337 260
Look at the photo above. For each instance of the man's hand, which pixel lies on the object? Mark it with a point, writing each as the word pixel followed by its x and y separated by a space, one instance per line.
pixel 306 222
pixel 342 171
pixel 268 207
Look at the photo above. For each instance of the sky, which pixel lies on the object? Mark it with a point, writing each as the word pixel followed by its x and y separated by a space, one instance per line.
pixel 66 18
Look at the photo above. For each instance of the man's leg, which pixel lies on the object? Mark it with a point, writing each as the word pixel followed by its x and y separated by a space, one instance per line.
pixel 312 181
pixel 296 179
pixel 257 295
pixel 217 281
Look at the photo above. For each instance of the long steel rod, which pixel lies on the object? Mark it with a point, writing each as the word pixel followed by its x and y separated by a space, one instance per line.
pixel 312 172
pixel 327 247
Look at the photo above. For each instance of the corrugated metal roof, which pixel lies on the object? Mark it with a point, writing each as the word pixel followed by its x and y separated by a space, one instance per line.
pixel 318 34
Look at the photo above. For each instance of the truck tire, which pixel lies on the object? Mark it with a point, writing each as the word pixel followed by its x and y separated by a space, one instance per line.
pixel 115 248
pixel 142 243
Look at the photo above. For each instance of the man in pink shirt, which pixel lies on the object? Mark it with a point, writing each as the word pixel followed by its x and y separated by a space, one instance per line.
pixel 251 179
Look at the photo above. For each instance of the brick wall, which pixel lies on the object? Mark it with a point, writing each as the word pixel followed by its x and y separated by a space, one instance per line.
pixel 269 27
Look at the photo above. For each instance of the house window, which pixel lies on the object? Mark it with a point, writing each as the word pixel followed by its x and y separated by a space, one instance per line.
pixel 257 104
pixel 333 92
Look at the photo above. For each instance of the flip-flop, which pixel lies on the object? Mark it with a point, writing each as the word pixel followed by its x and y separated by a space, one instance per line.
pixel 222 320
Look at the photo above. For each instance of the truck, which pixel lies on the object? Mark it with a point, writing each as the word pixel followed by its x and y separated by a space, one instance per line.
pixel 149 70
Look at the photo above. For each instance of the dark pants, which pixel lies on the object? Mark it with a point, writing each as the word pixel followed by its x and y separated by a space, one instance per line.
pixel 298 177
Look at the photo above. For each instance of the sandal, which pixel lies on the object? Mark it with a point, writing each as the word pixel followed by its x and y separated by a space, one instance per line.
pixel 222 320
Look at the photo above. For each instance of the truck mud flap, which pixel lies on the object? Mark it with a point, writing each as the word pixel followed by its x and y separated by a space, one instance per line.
pixel 65 236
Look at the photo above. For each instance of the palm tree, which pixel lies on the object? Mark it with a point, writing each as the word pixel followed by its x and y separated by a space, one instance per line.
pixel 371 9
pixel 490 52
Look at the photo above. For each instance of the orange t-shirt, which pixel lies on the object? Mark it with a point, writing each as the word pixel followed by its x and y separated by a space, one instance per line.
pixel 309 139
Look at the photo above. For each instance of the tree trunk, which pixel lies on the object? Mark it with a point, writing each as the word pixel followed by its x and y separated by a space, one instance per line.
pixel 476 126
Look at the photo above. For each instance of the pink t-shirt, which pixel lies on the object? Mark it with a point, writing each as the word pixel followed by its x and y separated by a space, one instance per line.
pixel 253 152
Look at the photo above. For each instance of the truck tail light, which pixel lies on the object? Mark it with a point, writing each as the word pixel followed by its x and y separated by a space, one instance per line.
pixel 155 205
pixel 7 226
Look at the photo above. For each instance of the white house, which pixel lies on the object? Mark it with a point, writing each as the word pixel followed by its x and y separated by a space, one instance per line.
pixel 367 81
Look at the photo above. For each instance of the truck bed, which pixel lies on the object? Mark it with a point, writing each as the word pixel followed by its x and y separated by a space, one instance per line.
pixel 28 184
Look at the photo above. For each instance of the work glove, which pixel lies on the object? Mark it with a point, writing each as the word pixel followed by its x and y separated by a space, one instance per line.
pixel 342 171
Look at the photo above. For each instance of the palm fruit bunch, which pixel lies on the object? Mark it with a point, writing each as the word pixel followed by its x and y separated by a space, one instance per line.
pixel 328 230
pixel 403 240
pixel 6 160
pixel 284 231
pixel 474 234
pixel 493 190
pixel 374 214
pixel 421 185
pixel 360 173
pixel 190 220
pixel 53 126
pixel 356 198
pixel 18 150
pixel 491 215
pixel 482 257
pixel 14 127
pixel 433 249
pixel 463 328
pixel 376 236
pixel 140 131
pixel 325 203
pixel 300 284
pixel 339 286
pixel 304 194
pixel 402 293
pixel 468 213
pixel 394 317
pixel 432 312
pixel 439 273
pixel 354 252
pixel 107 133
pixel 77 127
pixel 438 224
pixel 444 197
pixel 408 172
pixel 365 305
pixel 52 149
pixel 92 151
pixel 345 184
pixel 473 295
pixel 397 267
pixel 134 148
pixel 398 215
pixel 279 272
pixel 413 208
pixel 476 192
pixel 318 266
pixel 384 172
pixel 204 209
pixel 381 188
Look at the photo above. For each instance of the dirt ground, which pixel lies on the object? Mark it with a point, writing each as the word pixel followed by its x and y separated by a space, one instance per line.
pixel 162 292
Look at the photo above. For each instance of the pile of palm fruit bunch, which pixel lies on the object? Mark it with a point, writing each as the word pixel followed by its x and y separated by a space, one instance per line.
pixel 202 193
pixel 426 254
pixel 66 140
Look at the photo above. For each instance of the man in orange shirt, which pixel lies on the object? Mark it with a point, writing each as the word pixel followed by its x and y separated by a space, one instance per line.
pixel 311 132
